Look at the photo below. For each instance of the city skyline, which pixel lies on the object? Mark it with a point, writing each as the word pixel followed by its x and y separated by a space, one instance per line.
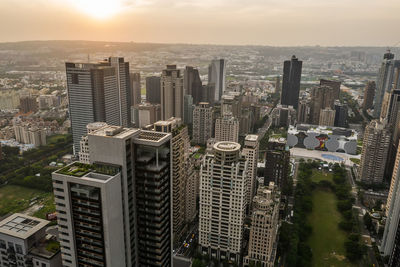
pixel 365 23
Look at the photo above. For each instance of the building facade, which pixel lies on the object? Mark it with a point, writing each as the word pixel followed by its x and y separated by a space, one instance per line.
pixel 277 159
pixel 202 123
pixel 250 152
pixel 322 97
pixel 153 89
pixel 222 202
pixel 216 77
pixel 327 117
pixel 227 129
pixel 171 93
pixel 335 85
pixel 369 95
pixel 291 82
pixel 136 94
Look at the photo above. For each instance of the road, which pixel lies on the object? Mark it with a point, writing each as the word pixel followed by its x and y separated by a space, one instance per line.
pixel 184 251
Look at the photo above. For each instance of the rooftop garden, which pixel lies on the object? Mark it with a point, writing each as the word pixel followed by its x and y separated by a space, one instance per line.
pixel 78 169
pixel 52 246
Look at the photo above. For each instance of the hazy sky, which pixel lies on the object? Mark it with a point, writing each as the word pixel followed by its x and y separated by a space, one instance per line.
pixel 265 22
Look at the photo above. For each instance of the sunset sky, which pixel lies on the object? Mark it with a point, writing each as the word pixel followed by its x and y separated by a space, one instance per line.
pixel 258 22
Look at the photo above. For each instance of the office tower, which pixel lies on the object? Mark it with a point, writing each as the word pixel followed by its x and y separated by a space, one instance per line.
pixel 341 113
pixel 202 123
pixel 303 112
pixel 384 82
pixel 24 242
pixel 148 114
pixel 321 97
pixel 250 152
pixel 246 121
pixel 277 159
pixel 180 140
pixel 327 117
pixel 277 84
pixel 283 116
pixel 136 163
pixel 222 202
pixel 396 77
pixel 84 155
pixel 264 227
pixel 191 189
pixel 28 104
pixel 335 85
pixel 227 129
pixel 188 109
pixel 231 103
pixel 391 236
pixel 192 84
pixel 374 153
pixel 369 94
pixel 136 93
pixel 291 82
pixel 216 76
pixel 97 92
pixel 209 94
pixel 171 93
pixel 153 89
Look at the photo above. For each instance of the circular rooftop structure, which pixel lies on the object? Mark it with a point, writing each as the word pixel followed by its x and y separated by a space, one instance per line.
pixel 226 146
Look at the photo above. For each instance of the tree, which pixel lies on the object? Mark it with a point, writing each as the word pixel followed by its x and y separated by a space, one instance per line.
pixel 198 263
pixel 368 222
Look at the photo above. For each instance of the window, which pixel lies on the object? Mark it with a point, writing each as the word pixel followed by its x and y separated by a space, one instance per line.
pixel 75 78
pixel 18 249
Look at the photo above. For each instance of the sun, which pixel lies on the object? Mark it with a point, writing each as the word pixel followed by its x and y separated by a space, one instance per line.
pixel 100 9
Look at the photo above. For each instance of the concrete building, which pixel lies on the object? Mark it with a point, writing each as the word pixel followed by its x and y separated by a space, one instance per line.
pixel 374 153
pixel 227 129
pixel 28 104
pixel 391 236
pixel 322 97
pixel 147 114
pixel 277 159
pixel 231 103
pixel 264 227
pixel 192 84
pixel 24 242
pixel 303 112
pixel 283 116
pixel 98 92
pixel 191 189
pixel 29 134
pixel 9 99
pixel 48 101
pixel 222 202
pixel 369 94
pixel 202 123
pixel 392 118
pixel 335 85
pixel 128 168
pixel 341 113
pixel 384 82
pixel 136 93
pixel 84 154
pixel 291 82
pixel 180 141
pixel 216 77
pixel 171 93
pixel 153 89
pixel 327 117
pixel 250 152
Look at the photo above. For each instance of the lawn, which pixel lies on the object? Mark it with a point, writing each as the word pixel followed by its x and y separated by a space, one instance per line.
pixel 327 240
pixel 17 199
pixel 318 176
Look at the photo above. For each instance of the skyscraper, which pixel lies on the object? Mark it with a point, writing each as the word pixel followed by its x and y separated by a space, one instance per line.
pixel 202 123
pixel 171 93
pixel 340 115
pixel 374 153
pixel 335 85
pixel 250 152
pixel 28 104
pixel 222 202
pixel 303 112
pixel 369 94
pixel 227 129
pixel 180 140
pixel 97 92
pixel 264 227
pixel 153 89
pixel 128 186
pixel 192 84
pixel 291 82
pixel 384 82
pixel 327 117
pixel 188 109
pixel 277 159
pixel 216 76
pixel 136 93
pixel 322 97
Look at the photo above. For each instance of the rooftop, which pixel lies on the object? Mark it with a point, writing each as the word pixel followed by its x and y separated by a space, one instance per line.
pixel 251 137
pixel 97 171
pixel 46 248
pixel 152 136
pixel 21 225
pixel 227 146
pixel 115 132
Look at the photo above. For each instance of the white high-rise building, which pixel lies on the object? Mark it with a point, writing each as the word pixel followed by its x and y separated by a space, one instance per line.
pixel 84 155
pixel 250 151
pixel 264 227
pixel 227 129
pixel 216 77
pixel 202 123
pixel 222 202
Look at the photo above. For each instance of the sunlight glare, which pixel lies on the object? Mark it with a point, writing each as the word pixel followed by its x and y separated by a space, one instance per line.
pixel 99 9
